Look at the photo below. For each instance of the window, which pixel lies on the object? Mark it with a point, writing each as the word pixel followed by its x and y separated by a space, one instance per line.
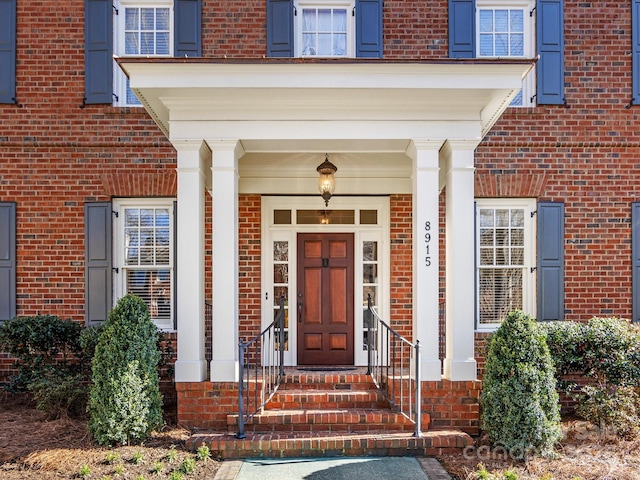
pixel 505 257
pixel 324 29
pixel 141 28
pixel 505 29
pixel 143 249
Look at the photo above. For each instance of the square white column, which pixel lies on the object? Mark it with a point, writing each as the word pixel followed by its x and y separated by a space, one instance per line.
pixel 460 363
pixel 425 181
pixel 224 168
pixel 190 365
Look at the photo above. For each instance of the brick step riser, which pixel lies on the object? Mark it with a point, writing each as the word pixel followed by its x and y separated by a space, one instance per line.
pixel 334 428
pixel 326 404
pixel 327 444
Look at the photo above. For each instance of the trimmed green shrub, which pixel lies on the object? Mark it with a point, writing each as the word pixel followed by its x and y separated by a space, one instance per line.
pixel 607 351
pixel 125 405
pixel 520 407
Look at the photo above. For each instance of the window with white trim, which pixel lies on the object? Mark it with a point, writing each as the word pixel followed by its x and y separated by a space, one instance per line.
pixel 142 28
pixel 143 259
pixel 506 29
pixel 505 258
pixel 325 28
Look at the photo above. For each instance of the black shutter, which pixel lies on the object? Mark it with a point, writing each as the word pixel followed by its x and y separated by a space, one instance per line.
pixel 635 259
pixel 98 275
pixel 98 51
pixel 369 28
pixel 279 28
pixel 8 51
pixel 188 28
pixel 7 260
pixel 462 28
pixel 550 41
pixel 550 261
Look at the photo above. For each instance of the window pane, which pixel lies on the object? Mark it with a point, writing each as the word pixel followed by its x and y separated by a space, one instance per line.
pixel 154 288
pixel 340 21
pixel 516 45
pixel 500 293
pixel 282 217
pixel 281 273
pixel 368 217
pixel 502 45
pixel 281 251
pixel 147 19
pixel 309 20
pixel 486 218
pixel 162 43
pixel 162 19
pixel 370 290
pixel 486 45
pixel 370 273
pixel 517 238
pixel 324 20
pixel 517 20
pixel 324 44
pixel 486 21
pixel 502 20
pixel 146 43
pixel 131 46
pixel 131 18
pixel 370 251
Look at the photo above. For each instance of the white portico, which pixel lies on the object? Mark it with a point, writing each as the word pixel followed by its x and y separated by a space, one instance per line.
pixel 392 128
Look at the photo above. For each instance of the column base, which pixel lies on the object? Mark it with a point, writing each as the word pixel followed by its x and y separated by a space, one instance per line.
pixel 460 370
pixel 431 370
pixel 225 370
pixel 190 371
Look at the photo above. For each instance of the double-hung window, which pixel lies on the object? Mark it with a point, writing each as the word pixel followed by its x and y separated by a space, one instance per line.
pixel 143 247
pixel 325 29
pixel 141 28
pixel 505 259
pixel 505 29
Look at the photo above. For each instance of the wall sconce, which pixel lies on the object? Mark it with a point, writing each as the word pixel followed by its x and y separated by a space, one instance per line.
pixel 326 180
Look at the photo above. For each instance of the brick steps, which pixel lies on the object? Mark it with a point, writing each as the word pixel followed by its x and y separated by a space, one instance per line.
pixel 324 444
pixel 325 420
pixel 313 399
pixel 328 413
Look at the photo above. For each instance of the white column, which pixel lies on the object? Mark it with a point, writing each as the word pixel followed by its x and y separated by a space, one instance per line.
pixel 460 363
pixel 190 365
pixel 425 253
pixel 224 168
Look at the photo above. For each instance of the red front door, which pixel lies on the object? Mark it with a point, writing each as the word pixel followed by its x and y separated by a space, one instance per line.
pixel 325 299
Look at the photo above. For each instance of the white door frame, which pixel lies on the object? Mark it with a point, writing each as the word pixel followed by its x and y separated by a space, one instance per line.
pixel 271 233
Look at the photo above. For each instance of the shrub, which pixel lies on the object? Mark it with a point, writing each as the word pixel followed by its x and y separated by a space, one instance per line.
pixel 520 408
pixel 615 409
pixel 40 343
pixel 125 403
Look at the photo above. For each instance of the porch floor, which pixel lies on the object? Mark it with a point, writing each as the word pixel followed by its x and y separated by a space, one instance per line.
pixel 326 411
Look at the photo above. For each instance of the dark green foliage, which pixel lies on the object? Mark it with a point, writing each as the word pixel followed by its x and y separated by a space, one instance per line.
pixel 39 344
pixel 52 361
pixel 607 351
pixel 520 408
pixel 125 403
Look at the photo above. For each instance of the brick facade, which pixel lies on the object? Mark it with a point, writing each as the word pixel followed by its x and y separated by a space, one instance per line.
pixel 56 154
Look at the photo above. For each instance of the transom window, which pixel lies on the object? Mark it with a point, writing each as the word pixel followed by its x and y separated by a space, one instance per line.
pixel 142 28
pixel 505 29
pixel 325 29
pixel 505 257
pixel 144 255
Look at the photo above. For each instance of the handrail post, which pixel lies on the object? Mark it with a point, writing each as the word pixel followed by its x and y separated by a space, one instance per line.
pixel 369 336
pixel 418 399
pixel 281 342
pixel 241 433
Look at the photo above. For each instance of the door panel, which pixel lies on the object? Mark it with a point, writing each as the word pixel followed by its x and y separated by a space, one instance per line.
pixel 325 299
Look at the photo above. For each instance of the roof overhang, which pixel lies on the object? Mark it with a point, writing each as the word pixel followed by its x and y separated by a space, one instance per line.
pixel 293 101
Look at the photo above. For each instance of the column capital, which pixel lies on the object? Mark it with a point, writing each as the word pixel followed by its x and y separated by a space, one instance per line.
pixel 452 146
pixel 421 144
pixel 233 144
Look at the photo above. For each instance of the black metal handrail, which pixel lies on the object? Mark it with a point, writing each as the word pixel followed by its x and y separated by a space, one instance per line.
pixel 394 366
pixel 261 361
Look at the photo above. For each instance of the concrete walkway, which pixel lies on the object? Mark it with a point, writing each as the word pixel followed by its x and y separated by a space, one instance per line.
pixel 337 468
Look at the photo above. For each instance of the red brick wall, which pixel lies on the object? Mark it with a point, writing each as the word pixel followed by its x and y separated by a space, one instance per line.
pixel 585 155
pixel 401 264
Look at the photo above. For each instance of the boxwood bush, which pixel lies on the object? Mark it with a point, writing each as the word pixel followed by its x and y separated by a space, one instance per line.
pixel 125 404
pixel 520 407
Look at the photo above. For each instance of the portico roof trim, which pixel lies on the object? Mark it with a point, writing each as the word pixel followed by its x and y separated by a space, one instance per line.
pixel 175 90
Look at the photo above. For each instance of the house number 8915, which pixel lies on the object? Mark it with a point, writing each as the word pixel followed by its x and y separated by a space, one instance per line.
pixel 427 243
